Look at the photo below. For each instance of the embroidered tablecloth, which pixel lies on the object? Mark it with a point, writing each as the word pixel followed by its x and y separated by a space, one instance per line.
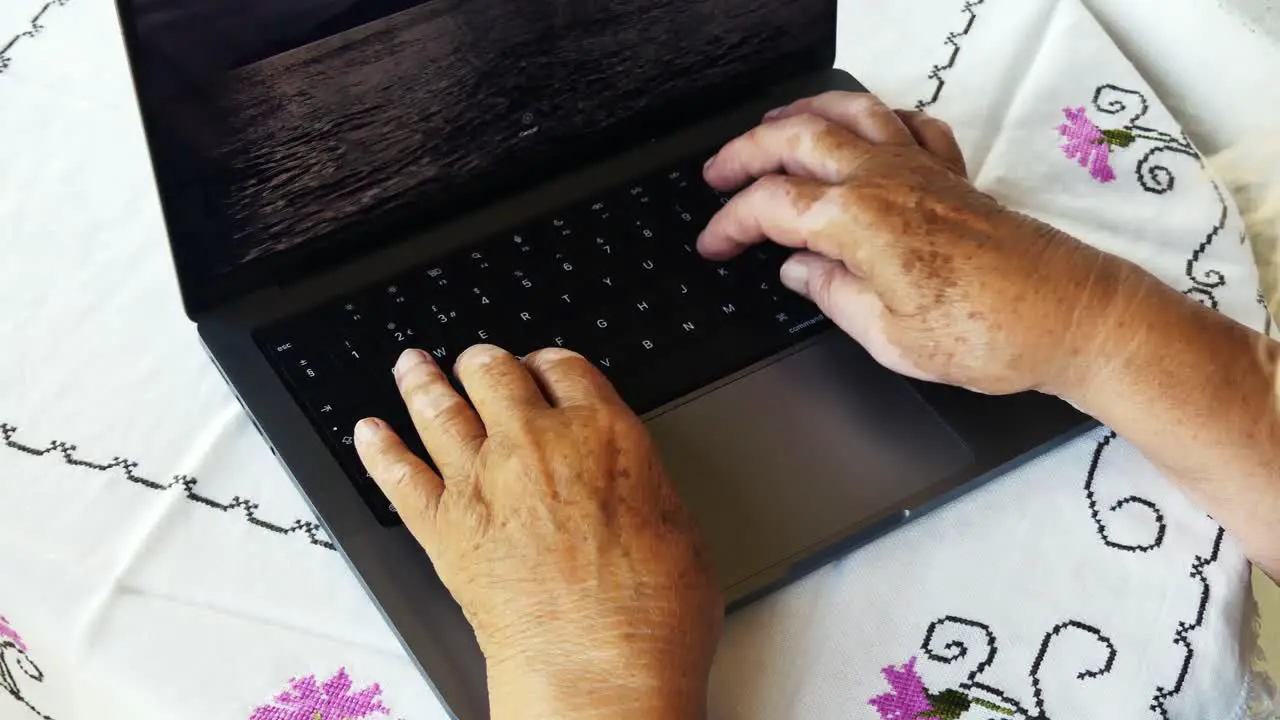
pixel 156 563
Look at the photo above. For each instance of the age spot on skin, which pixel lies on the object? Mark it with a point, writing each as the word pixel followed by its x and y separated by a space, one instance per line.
pixel 804 195
pixel 833 141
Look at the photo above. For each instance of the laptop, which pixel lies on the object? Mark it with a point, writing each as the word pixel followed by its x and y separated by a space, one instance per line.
pixel 345 179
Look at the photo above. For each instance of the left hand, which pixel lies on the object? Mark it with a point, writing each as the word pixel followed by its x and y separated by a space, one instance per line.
pixel 557 530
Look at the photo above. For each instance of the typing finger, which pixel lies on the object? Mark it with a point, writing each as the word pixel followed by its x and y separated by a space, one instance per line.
pixel 568 379
pixel 851 303
pixel 411 486
pixel 501 389
pixel 793 212
pixel 863 114
pixel 801 145
pixel 449 427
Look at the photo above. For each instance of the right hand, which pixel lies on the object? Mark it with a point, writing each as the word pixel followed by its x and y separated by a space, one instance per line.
pixel 936 279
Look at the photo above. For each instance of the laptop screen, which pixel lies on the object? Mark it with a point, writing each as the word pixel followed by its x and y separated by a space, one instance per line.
pixel 275 124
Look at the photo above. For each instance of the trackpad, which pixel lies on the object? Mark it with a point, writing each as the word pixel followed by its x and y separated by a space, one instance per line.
pixel 801 451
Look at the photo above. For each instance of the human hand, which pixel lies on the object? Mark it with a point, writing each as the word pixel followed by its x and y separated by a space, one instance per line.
pixel 557 530
pixel 936 279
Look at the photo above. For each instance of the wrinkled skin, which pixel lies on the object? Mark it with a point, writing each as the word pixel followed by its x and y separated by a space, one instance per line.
pixel 556 528
pixel 935 278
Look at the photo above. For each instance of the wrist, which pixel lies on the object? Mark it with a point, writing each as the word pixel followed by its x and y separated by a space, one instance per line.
pixel 596 693
pixel 1158 350
pixel 1122 311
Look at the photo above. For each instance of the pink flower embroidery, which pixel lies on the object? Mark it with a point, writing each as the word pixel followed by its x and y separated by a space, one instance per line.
pixel 1090 145
pixel 11 634
pixel 908 699
pixel 305 699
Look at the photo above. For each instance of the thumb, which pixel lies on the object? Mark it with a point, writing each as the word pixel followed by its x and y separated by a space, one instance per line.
pixel 842 296
pixel 851 304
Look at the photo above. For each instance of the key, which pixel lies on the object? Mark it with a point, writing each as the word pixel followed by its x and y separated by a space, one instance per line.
pixel 474 262
pixel 398 336
pixel 353 353
pixel 566 272
pixel 482 297
pixel 513 250
pixel 690 323
pixel 436 282
pixel 601 214
pixel 554 234
pixel 638 199
pixel 644 311
pixel 309 368
pixel 525 286
pixel 680 290
pixel 442 315
pixel 642 234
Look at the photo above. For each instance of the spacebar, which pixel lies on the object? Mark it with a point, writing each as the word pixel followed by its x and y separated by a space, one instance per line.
pixel 729 350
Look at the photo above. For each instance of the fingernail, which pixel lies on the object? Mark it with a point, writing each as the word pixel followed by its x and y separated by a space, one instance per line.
pixel 369 428
pixel 774 113
pixel 795 275
pixel 556 353
pixel 409 359
pixel 707 164
pixel 477 354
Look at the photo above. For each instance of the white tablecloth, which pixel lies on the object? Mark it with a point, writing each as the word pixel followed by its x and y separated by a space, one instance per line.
pixel 155 562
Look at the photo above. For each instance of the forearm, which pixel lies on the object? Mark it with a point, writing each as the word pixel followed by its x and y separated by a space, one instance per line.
pixel 1196 393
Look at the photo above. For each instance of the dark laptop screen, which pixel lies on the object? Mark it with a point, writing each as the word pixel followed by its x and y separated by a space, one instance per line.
pixel 274 123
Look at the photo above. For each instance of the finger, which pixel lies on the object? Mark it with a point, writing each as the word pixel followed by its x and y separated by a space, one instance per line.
pixel 863 114
pixel 408 482
pixel 850 303
pixel 501 389
pixel 568 379
pixel 793 212
pixel 937 137
pixel 802 145
pixel 448 425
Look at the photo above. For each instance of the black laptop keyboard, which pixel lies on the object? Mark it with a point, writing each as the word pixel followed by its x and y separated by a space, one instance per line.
pixel 617 279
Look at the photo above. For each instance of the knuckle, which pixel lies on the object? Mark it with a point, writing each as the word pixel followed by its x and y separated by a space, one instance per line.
pixel 938 124
pixel 394 474
pixel 867 102
pixel 821 282
pixel 420 382
pixel 440 404
pixel 767 187
pixel 808 123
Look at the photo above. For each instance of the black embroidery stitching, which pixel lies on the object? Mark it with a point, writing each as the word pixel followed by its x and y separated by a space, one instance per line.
pixel 937 72
pixel 249 509
pixel 1158 180
pixel 1205 283
pixel 35 27
pixel 1161 526
pixel 956 649
pixel 959 650
pixel 1182 636
pixel 1036 692
pixel 9 681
